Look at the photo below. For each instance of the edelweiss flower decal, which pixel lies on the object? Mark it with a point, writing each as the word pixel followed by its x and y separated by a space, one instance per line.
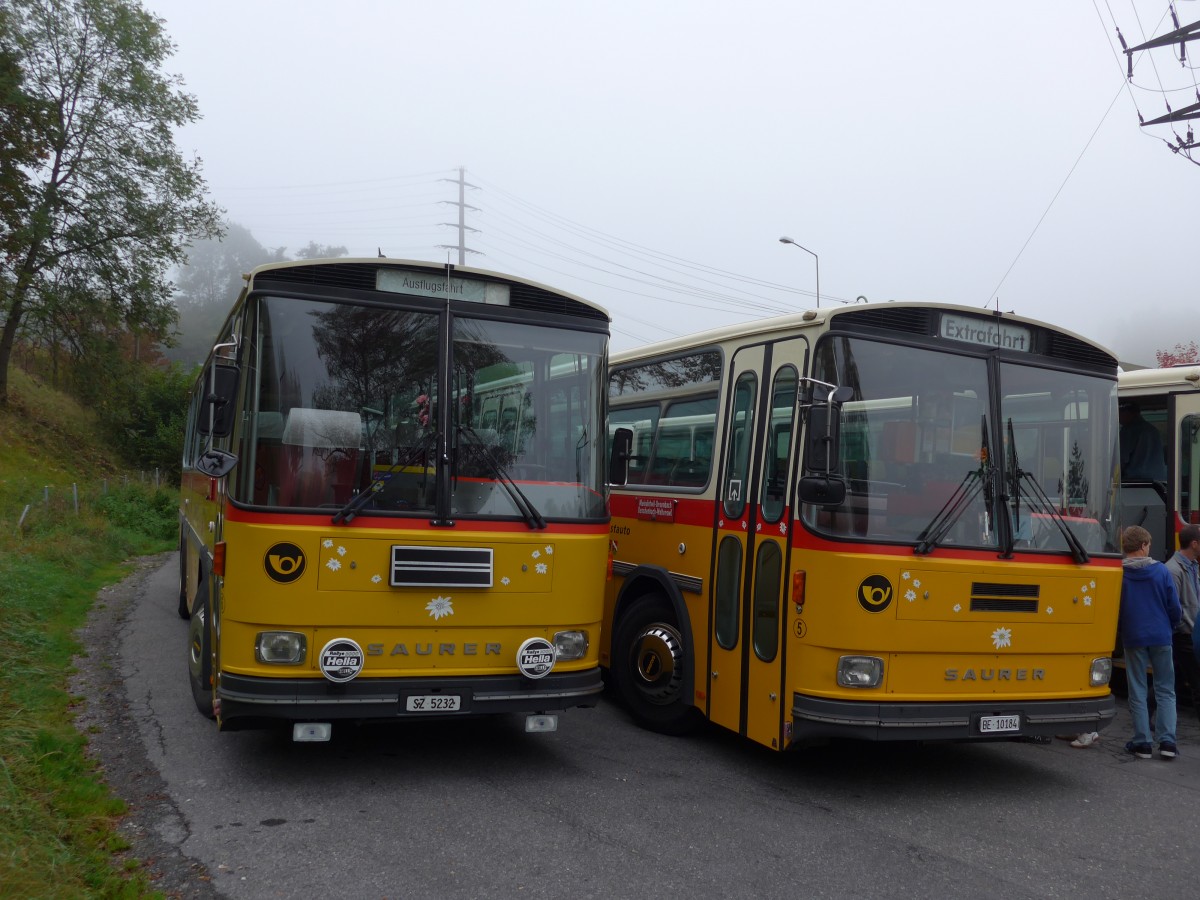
pixel 327 543
pixel 549 550
pixel 958 607
pixel 1002 637
pixel 440 606
pixel 910 595
pixel 333 564
pixel 504 581
pixel 541 568
pixel 375 579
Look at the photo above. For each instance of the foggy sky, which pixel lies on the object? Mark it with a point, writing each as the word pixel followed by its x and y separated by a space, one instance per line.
pixel 625 150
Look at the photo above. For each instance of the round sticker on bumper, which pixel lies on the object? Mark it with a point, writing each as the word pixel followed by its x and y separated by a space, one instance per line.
pixel 341 660
pixel 535 657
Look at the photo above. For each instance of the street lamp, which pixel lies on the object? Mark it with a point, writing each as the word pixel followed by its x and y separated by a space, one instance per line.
pixel 788 240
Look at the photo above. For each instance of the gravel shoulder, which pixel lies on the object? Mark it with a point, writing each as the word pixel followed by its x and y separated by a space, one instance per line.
pixel 153 824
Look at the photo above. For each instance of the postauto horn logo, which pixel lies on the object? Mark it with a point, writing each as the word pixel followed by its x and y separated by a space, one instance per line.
pixel 284 562
pixel 875 593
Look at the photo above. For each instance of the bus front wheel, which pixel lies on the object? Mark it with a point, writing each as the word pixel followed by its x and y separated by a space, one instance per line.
pixel 649 657
pixel 200 652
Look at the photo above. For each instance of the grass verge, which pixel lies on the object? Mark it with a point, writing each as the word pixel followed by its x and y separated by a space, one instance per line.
pixel 57 831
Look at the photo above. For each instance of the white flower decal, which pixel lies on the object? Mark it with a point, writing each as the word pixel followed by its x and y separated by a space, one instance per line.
pixel 375 579
pixel 958 607
pixel 910 595
pixel 549 550
pixel 1002 637
pixel 1087 601
pixel 341 551
pixel 1092 584
pixel 504 581
pixel 536 553
pixel 916 582
pixel 327 543
pixel 1049 610
pixel 905 575
pixel 720 523
pixel 333 564
pixel 783 528
pixel 758 527
pixel 440 606
pixel 541 568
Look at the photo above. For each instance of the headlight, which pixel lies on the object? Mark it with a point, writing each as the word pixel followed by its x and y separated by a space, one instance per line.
pixel 1101 671
pixel 571 644
pixel 284 648
pixel 860 671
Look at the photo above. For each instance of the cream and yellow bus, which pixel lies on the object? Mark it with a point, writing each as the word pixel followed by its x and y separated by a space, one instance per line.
pixel 393 500
pixel 1164 498
pixel 886 522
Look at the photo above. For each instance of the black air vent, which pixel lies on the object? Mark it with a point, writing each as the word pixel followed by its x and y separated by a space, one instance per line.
pixel 1063 346
pixel 911 319
pixel 361 277
pixel 990 596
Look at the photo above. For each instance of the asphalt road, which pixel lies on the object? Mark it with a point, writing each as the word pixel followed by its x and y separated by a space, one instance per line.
pixel 603 809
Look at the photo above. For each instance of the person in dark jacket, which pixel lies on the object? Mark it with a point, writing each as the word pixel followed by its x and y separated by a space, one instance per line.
pixel 1150 611
pixel 1186 571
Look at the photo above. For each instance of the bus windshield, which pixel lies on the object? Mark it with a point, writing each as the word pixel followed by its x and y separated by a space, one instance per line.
pixel 349 398
pixel 997 454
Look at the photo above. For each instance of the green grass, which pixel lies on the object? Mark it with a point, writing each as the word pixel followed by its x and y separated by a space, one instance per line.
pixel 57 817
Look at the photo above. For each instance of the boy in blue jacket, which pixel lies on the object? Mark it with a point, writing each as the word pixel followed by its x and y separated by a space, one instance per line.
pixel 1150 611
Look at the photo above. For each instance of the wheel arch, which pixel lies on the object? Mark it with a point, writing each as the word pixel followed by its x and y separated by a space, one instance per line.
pixel 648 580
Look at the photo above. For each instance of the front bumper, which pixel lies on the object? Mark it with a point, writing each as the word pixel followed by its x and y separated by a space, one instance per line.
pixel 819 717
pixel 247 702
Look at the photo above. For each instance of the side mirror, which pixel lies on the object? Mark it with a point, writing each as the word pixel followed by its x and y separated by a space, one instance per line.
pixel 619 456
pixel 822 490
pixel 217 416
pixel 215 463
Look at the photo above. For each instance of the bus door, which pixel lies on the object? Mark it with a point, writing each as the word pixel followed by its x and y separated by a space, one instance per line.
pixel 1183 456
pixel 752 540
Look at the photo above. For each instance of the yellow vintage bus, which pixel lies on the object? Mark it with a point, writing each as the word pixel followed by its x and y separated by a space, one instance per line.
pixel 393 499
pixel 888 522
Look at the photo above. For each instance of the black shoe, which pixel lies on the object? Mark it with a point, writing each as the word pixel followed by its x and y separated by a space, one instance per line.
pixel 1167 750
pixel 1141 751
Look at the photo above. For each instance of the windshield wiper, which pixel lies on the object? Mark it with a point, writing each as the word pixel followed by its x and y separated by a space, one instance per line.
pixel 1043 503
pixel 528 511
pixel 359 500
pixel 981 479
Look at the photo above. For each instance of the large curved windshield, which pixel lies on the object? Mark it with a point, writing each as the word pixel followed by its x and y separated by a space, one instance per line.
pixel 930 459
pixel 350 398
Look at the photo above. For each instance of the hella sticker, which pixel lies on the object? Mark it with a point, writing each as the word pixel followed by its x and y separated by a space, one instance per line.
pixel 536 657
pixel 341 660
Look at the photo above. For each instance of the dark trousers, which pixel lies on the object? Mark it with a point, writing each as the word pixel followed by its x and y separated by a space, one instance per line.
pixel 1187 669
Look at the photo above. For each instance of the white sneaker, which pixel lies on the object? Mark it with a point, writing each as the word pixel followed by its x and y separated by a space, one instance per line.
pixel 1086 739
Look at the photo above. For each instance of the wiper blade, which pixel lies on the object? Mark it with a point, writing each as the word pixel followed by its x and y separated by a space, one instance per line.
pixel 1017 475
pixel 981 479
pixel 528 511
pixel 359 500
pixel 967 490
pixel 1046 506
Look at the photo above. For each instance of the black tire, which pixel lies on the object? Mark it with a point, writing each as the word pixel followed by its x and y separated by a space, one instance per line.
pixel 184 612
pixel 200 652
pixel 649 659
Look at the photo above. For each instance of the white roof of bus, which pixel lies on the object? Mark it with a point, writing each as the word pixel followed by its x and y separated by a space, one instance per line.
pixel 814 317
pixel 1144 382
pixel 388 262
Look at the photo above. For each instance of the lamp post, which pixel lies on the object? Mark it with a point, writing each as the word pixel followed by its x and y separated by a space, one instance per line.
pixel 817 259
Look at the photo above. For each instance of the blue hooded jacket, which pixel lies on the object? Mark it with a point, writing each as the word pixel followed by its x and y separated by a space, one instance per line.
pixel 1150 607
